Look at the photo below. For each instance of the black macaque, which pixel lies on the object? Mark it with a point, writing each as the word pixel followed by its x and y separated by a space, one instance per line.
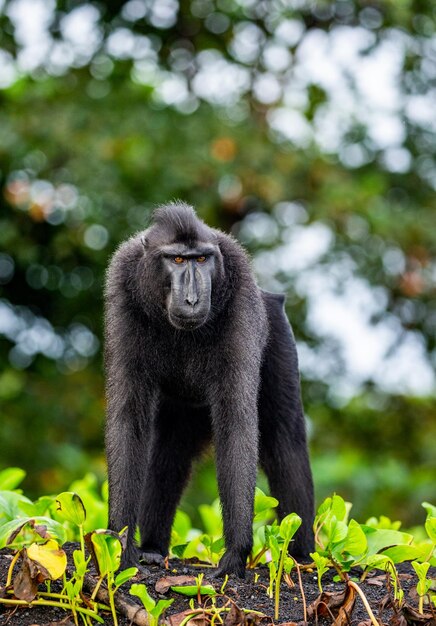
pixel 197 352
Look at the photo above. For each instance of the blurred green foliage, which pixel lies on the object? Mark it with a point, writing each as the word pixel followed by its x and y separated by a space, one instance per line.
pixel 95 132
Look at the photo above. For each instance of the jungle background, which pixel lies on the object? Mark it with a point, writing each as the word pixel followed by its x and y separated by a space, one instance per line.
pixel 308 130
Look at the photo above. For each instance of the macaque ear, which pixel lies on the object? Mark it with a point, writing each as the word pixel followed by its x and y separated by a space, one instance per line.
pixel 144 241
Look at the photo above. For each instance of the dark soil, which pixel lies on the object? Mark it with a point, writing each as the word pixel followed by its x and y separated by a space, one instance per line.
pixel 246 594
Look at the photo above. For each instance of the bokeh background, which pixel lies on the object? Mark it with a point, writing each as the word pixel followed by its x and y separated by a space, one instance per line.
pixel 306 128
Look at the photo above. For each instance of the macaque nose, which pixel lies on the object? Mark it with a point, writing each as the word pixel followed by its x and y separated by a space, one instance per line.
pixel 191 298
pixel 191 294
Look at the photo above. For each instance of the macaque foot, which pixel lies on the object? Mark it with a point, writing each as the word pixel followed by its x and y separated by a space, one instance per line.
pixel 231 563
pixel 151 557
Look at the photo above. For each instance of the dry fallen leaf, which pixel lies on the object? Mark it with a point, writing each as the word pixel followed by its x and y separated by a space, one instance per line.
pixel 238 617
pixel 345 610
pixel 379 581
pixel 338 605
pixel 398 620
pixel 26 581
pixel 39 562
pixel 198 618
pixel 163 584
pixel 413 617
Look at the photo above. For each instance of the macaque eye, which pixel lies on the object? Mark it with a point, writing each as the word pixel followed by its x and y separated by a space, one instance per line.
pixel 201 259
pixel 178 259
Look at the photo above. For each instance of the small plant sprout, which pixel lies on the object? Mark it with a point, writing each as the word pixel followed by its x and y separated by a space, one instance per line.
pixel 384 562
pixel 106 549
pixel 153 608
pixel 343 543
pixel 272 543
pixel 331 517
pixel 72 509
pixel 195 590
pixel 430 527
pixel 263 511
pixel 198 581
pixel 263 506
pixel 287 529
pixel 214 548
pixel 73 587
pixel 321 563
pixel 224 585
pixel 424 583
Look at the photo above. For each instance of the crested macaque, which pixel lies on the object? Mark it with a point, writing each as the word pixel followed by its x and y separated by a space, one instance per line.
pixel 197 353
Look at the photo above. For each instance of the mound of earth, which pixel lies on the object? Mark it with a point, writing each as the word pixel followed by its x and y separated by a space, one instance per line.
pixel 244 602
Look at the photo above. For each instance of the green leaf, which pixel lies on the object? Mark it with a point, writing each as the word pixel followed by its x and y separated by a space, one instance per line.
pixel 320 561
pixel 80 562
pixel 379 561
pixel 70 589
pixel 424 584
pixel 125 575
pixel 379 538
pixel 324 507
pixel 212 518
pixel 274 548
pixel 195 548
pixel 71 507
pixel 218 546
pixel 288 564
pixel 430 527
pixel 355 541
pixel 11 506
pixel 206 540
pixel 338 531
pixel 160 607
pixel 401 553
pixel 272 569
pixel 10 478
pixel 421 569
pixel 192 590
pixel 430 508
pixel 289 526
pixel 271 533
pixel 383 522
pixel 39 507
pixel 339 508
pixel 181 527
pixel 140 591
pixel 22 531
pixel 262 502
pixel 105 547
pixel 333 506
pixel 179 550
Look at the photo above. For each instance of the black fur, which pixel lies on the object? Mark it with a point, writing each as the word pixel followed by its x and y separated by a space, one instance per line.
pixel 195 352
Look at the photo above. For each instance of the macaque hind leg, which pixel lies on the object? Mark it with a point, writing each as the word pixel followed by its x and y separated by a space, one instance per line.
pixel 236 441
pixel 283 447
pixel 179 436
pixel 126 454
pixel 286 465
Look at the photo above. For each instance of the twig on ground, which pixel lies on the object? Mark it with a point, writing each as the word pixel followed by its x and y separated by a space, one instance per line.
pixel 136 614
